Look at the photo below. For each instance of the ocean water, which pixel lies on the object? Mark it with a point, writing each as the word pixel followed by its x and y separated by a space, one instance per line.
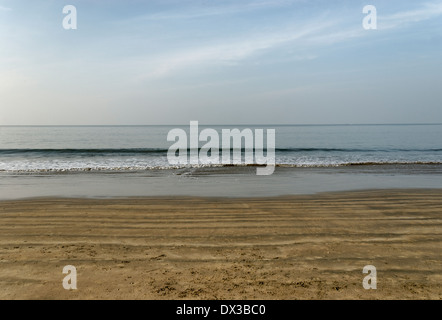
pixel 137 148
pixel 117 161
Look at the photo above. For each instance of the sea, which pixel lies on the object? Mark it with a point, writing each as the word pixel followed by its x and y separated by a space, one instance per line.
pixel 121 161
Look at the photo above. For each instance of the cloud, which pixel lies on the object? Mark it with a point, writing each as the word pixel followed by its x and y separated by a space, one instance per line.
pixel 5 9
pixel 426 12
pixel 330 30
pixel 227 9
pixel 232 51
pixel 330 38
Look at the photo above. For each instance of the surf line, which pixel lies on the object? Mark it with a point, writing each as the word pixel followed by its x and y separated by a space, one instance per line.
pixel 186 149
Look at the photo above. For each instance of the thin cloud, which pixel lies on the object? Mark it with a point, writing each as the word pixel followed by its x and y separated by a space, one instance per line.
pixel 314 34
pixel 426 12
pixel 217 10
pixel 392 21
pixel 337 37
pixel 5 8
pixel 231 52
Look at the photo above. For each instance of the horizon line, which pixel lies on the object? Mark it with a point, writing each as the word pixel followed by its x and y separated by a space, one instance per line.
pixel 240 124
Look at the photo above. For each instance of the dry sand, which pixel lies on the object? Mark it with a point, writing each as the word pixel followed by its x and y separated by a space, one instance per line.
pixel 294 247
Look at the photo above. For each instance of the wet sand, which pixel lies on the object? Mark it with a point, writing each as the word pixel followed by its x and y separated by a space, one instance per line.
pixel 291 247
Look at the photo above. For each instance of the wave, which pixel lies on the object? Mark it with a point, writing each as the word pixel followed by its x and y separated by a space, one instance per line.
pixel 162 151
pixel 348 164
pixel 105 151
pixel 355 150
pixel 209 166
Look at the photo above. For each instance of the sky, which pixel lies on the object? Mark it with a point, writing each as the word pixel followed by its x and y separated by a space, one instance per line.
pixel 220 62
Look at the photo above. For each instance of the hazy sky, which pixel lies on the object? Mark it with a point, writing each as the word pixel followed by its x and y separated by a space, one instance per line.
pixel 220 62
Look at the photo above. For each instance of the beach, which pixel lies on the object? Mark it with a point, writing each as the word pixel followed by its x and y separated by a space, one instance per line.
pixel 291 247
pixel 220 151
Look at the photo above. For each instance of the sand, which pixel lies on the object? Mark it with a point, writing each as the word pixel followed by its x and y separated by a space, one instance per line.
pixel 285 248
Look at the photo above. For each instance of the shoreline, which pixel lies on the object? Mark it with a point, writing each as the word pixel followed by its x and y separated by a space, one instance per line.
pixel 285 247
pixel 218 182
pixel 221 198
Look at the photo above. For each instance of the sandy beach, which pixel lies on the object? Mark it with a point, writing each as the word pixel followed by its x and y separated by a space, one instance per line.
pixel 288 247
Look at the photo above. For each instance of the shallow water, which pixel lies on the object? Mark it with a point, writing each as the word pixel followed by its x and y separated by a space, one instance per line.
pixel 132 161
pixel 129 148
